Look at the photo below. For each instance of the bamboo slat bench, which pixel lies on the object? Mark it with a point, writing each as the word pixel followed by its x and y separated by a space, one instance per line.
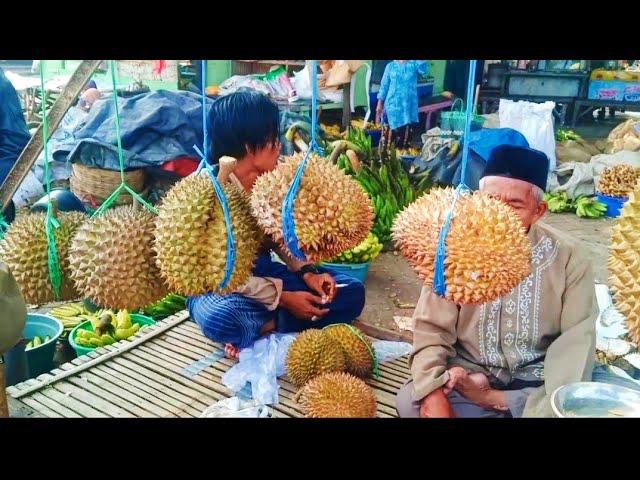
pixel 162 371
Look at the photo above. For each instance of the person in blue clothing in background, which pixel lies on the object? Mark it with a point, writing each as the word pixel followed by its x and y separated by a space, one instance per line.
pixel 14 134
pixel 284 297
pixel 398 100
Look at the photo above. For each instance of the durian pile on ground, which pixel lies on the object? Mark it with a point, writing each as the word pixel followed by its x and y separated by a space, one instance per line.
pixel 112 260
pixel 191 236
pixel 487 250
pixel 326 365
pixel 618 180
pixel 24 249
pixel 332 212
pixel 624 263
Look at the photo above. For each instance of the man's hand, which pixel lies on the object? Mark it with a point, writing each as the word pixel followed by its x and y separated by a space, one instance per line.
pixel 379 111
pixel 455 375
pixel 436 405
pixel 321 283
pixel 475 387
pixel 303 305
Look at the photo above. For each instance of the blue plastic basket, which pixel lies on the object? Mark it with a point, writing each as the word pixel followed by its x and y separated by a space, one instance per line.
pixel 614 204
pixel 355 270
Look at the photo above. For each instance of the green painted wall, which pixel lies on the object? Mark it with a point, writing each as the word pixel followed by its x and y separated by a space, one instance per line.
pixel 437 70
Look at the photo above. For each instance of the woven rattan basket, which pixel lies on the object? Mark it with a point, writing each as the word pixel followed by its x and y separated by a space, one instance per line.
pixel 94 185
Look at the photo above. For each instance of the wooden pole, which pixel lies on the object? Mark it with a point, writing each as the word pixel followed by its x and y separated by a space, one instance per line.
pixel 4 404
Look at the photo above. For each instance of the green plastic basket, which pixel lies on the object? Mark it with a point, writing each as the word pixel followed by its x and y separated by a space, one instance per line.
pixel 81 350
pixel 452 122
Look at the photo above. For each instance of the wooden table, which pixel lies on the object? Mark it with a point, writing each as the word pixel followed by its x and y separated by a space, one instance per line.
pixel 147 375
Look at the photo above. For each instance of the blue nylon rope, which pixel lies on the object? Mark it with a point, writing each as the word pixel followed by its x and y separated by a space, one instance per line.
pixel 231 251
pixel 288 222
pixel 439 282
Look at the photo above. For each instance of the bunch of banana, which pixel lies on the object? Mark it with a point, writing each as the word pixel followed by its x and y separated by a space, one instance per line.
pixel 36 341
pixel 390 189
pixel 107 329
pixel 559 202
pixel 331 131
pixel 564 134
pixel 359 122
pixel 366 251
pixel 618 180
pixel 71 315
pixel 411 151
pixel 169 305
pixel 589 207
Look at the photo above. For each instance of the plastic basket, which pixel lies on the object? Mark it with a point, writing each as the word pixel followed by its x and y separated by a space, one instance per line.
pixel 614 204
pixel 452 123
pixel 81 350
pixel 40 358
pixel 355 270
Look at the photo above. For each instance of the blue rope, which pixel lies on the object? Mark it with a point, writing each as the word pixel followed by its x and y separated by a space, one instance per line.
pixel 439 282
pixel 231 251
pixel 288 223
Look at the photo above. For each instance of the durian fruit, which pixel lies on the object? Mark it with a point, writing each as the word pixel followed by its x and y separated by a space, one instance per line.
pixel 332 212
pixel 487 250
pixel 618 180
pixel 358 350
pixel 313 353
pixel 191 237
pixel 112 260
pixel 24 249
pixel 624 264
pixel 13 310
pixel 338 395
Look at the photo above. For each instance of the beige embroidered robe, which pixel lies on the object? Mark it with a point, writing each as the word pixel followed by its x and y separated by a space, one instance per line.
pixel 544 329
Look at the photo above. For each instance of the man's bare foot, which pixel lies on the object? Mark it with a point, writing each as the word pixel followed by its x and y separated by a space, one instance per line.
pixel 268 327
pixel 231 351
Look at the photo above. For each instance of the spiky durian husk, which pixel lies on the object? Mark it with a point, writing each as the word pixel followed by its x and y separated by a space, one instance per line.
pixel 24 249
pixel 191 237
pixel 112 260
pixel 332 212
pixel 624 263
pixel 618 180
pixel 311 354
pixel 338 395
pixel 357 348
pixel 487 250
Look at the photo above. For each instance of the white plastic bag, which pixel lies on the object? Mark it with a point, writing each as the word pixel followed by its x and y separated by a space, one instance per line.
pixel 260 365
pixel 302 83
pixel 579 181
pixel 387 350
pixel 534 121
pixel 236 408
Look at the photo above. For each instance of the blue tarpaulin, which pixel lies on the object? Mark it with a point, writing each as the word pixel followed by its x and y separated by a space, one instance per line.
pixel 481 143
pixel 155 127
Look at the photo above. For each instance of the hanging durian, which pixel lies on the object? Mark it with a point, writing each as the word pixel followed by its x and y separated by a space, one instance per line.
pixel 338 395
pixel 358 350
pixel 487 250
pixel 312 353
pixel 624 263
pixel 24 249
pixel 332 212
pixel 112 260
pixel 191 236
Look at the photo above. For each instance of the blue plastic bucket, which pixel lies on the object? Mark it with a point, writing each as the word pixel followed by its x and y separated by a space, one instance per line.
pixel 614 204
pixel 355 270
pixel 40 358
pixel 375 136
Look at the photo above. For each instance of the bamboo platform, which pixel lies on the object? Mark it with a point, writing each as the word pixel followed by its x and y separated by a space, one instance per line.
pixel 166 370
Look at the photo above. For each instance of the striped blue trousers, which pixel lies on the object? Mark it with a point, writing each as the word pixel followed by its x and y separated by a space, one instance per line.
pixel 235 319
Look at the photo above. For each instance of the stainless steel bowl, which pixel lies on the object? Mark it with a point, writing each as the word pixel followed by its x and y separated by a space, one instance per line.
pixel 594 399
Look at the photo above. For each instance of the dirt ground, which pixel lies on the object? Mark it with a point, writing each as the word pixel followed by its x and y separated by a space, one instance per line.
pixel 393 287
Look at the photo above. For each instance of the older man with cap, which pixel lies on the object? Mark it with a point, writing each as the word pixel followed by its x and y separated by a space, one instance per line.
pixel 505 358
